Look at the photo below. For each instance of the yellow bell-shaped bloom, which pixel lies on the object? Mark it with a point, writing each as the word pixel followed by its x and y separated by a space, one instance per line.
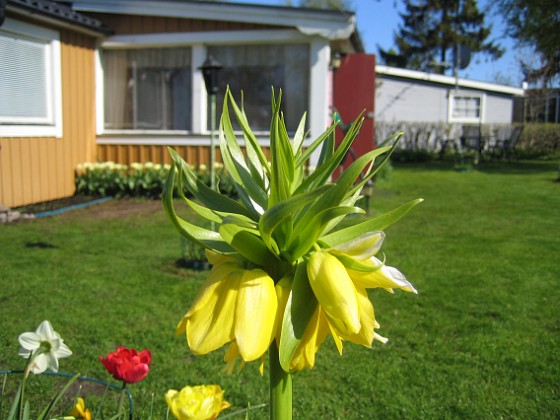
pixel 384 276
pixel 203 402
pixel 335 291
pixel 344 309
pixel 233 305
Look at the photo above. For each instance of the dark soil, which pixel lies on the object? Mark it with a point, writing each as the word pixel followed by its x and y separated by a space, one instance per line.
pixel 55 204
pixel 105 210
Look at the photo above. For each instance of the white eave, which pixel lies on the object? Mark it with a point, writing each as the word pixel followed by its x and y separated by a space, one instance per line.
pixel 331 25
pixel 447 80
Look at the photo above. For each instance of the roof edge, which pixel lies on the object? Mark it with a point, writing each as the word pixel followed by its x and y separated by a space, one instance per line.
pixel 330 24
pixel 448 80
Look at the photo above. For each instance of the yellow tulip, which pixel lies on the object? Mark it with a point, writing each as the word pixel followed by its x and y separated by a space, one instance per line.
pixel 201 402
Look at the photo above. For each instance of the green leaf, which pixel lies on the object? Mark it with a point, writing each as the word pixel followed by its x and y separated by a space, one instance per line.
pixel 247 132
pixel 324 171
pixel 326 139
pixel 371 225
pixel 282 160
pixel 299 136
pixel 249 190
pixel 203 237
pixel 54 401
pixel 244 238
pixel 304 239
pixel 207 196
pixel 299 311
pixel 277 213
pixel 356 265
pixel 339 193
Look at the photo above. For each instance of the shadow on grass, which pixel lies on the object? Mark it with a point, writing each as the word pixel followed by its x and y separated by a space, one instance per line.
pixel 487 166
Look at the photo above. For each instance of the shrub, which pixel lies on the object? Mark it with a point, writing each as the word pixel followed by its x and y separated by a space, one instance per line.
pixel 540 139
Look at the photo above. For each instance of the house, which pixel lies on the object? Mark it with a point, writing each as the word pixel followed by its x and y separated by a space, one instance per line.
pixel 408 95
pixel 47 91
pixel 439 105
pixel 138 87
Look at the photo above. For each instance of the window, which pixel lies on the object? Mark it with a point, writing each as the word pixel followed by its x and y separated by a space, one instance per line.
pixel 466 107
pixel 255 69
pixel 31 102
pixel 147 89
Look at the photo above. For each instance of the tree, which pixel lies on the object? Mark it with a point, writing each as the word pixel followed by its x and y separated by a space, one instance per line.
pixel 431 28
pixel 536 24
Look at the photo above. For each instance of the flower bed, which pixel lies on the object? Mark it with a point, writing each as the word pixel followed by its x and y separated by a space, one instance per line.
pixel 137 180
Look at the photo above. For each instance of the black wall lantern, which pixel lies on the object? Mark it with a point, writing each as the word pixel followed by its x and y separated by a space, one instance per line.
pixel 210 69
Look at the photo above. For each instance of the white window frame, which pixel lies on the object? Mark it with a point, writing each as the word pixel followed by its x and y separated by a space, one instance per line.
pixel 198 42
pixel 453 94
pixel 51 126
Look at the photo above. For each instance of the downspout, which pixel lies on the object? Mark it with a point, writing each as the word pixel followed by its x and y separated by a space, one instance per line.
pixel 3 11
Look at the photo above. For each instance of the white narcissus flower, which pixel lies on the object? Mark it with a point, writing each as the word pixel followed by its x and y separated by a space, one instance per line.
pixel 44 346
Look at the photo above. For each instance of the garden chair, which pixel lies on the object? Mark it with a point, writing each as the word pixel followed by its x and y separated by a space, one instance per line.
pixel 505 147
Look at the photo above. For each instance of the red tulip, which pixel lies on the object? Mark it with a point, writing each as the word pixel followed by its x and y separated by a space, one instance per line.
pixel 127 364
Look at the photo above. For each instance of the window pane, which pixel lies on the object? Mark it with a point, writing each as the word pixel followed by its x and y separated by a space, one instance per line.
pixel 255 69
pixel 466 107
pixel 148 88
pixel 23 81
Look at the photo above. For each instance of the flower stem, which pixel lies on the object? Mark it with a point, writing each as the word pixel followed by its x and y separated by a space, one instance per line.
pixel 280 388
pixel 120 413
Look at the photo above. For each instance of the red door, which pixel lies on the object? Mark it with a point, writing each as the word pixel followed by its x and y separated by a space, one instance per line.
pixel 354 92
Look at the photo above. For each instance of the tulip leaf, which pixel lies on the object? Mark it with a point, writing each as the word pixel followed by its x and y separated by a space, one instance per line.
pixel 300 307
pixel 277 213
pixel 376 224
pixel 245 240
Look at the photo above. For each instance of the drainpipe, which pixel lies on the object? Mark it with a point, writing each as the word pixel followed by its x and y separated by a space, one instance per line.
pixel 2 11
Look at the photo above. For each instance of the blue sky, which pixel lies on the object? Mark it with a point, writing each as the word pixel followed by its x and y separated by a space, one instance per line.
pixel 379 19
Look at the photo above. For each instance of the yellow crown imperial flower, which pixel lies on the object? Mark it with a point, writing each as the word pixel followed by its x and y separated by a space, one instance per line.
pixel 234 305
pixel 285 273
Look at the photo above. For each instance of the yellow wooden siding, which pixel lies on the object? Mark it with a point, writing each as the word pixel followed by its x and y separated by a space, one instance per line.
pixel 131 24
pixel 40 169
pixel 129 153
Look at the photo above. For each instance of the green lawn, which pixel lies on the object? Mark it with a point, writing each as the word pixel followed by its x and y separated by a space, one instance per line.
pixel 480 340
